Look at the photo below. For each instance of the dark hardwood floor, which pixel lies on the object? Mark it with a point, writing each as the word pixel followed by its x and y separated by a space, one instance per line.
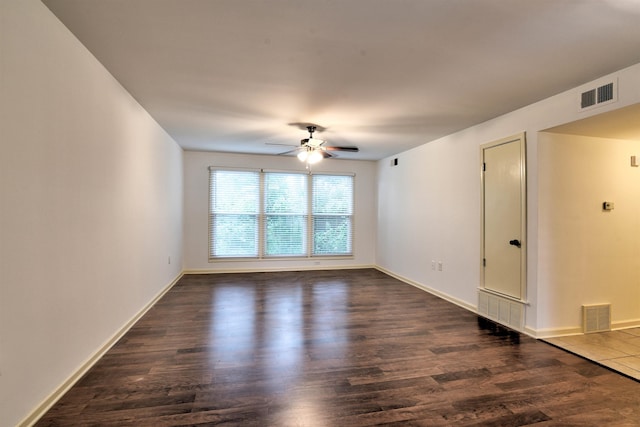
pixel 334 348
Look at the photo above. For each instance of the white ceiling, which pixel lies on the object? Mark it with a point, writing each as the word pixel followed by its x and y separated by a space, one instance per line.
pixel 385 75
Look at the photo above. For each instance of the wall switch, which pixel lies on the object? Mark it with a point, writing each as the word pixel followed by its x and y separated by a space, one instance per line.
pixel 439 265
pixel 433 264
pixel 169 260
pixel 607 206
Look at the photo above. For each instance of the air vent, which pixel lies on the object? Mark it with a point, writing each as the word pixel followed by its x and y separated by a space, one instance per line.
pixel 502 310
pixel 596 318
pixel 603 94
pixel 588 98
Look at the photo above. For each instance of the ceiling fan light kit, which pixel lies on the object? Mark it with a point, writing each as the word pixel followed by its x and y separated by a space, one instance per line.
pixel 312 150
pixel 314 157
pixel 310 155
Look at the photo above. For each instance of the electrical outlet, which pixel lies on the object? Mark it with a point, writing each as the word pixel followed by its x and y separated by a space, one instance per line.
pixel 433 264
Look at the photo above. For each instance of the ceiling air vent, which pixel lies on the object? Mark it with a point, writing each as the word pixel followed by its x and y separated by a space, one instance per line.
pixel 606 93
pixel 588 98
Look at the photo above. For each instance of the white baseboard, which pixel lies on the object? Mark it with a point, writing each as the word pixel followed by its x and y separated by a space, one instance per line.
pixel 578 330
pixel 50 400
pixel 634 323
pixel 553 332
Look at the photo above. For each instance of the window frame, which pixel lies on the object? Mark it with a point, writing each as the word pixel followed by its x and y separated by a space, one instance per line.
pixel 326 215
pixel 262 217
pixel 211 214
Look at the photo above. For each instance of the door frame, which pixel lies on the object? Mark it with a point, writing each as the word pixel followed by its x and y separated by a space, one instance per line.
pixel 521 138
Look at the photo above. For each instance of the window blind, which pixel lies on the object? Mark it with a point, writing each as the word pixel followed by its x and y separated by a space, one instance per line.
pixel 285 214
pixel 235 213
pixel 332 214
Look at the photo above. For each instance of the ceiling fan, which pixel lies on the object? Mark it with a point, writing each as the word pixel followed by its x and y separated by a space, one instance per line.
pixel 312 150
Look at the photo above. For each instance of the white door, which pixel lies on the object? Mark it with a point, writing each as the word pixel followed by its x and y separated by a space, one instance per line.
pixel 503 207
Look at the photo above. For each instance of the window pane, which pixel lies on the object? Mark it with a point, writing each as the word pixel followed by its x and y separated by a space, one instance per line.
pixel 286 235
pixel 285 214
pixel 332 194
pixel 235 236
pixel 285 193
pixel 235 209
pixel 331 235
pixel 235 192
pixel 332 214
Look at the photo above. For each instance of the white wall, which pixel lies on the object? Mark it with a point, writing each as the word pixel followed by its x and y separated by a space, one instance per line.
pixel 427 212
pixel 429 205
pixel 591 256
pixel 90 208
pixel 196 211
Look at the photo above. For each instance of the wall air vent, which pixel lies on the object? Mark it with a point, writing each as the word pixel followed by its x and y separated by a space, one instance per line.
pixel 596 318
pixel 605 93
pixel 599 95
pixel 505 311
pixel 588 98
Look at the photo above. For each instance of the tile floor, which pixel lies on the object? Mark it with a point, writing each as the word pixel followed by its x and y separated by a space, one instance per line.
pixel 618 350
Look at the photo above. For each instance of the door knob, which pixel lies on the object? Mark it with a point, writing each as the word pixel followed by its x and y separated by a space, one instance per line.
pixel 515 242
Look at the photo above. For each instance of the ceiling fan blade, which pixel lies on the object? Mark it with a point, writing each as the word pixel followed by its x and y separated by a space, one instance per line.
pixel 284 145
pixel 289 152
pixel 327 155
pixel 346 148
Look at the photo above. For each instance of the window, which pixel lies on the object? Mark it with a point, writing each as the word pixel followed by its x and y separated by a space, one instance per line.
pixel 332 214
pixel 285 214
pixel 234 213
pixel 274 214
